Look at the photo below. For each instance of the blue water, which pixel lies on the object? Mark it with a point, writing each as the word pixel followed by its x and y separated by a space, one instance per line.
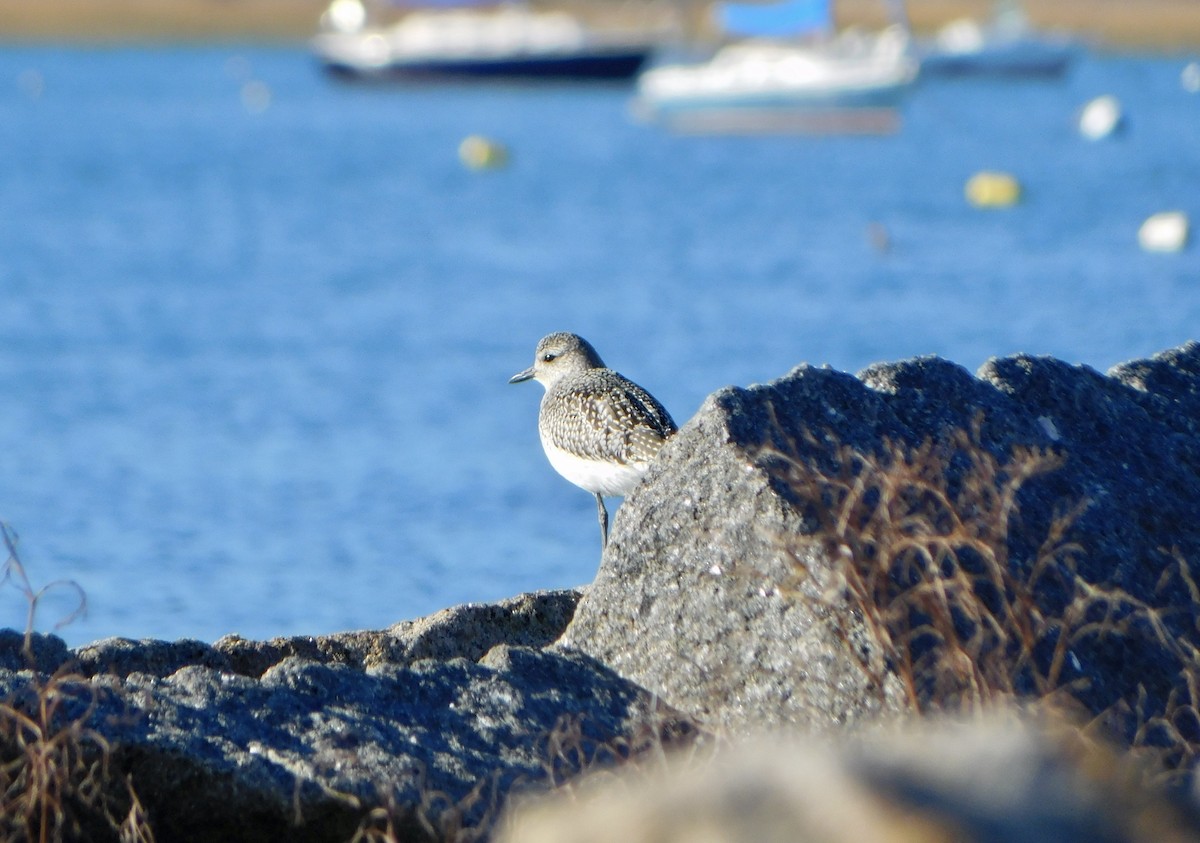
pixel 256 326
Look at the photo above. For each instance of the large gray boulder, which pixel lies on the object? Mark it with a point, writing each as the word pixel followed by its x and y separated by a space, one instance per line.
pixel 430 724
pixel 713 594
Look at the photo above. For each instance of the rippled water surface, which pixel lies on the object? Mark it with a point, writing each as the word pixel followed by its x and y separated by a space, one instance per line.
pixel 256 327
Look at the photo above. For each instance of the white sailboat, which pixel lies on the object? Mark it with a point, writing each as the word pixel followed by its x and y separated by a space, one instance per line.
pixel 785 71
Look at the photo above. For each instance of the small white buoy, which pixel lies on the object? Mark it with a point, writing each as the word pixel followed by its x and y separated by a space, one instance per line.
pixel 256 96
pixel 989 189
pixel 480 153
pixel 1101 118
pixel 1164 232
pixel 1190 77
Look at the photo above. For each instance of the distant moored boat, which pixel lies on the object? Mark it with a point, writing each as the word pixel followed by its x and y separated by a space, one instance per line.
pixel 1007 45
pixel 508 41
pixel 783 69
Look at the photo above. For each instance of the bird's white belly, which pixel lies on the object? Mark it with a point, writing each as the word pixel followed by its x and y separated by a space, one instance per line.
pixel 597 476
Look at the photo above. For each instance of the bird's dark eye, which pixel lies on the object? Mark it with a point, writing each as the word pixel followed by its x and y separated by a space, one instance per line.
pixel 548 357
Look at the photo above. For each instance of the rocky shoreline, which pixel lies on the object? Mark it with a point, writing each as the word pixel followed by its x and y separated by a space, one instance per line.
pixel 842 562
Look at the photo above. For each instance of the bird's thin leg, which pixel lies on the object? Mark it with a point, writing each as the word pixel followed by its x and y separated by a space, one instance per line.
pixel 603 513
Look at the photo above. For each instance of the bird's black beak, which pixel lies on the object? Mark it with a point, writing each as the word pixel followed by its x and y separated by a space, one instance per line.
pixel 522 376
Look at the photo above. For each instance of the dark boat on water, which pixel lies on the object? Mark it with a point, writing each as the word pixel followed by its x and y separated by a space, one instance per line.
pixel 504 42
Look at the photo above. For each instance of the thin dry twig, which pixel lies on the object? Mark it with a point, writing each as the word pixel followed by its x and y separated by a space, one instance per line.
pixel 55 776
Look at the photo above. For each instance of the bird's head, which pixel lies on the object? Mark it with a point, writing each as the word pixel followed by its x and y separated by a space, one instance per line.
pixel 557 356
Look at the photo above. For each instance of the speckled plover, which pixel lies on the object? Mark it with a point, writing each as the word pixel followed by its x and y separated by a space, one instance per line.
pixel 599 429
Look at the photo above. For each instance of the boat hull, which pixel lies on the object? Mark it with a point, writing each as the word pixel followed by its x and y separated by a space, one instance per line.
pixel 609 65
pixel 846 86
pixel 1024 58
pixel 800 99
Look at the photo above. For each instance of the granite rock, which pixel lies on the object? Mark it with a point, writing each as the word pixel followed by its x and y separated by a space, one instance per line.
pixel 695 598
pixel 434 721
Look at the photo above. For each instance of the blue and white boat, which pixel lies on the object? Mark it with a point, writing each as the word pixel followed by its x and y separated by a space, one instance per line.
pixel 1006 45
pixel 508 41
pixel 785 70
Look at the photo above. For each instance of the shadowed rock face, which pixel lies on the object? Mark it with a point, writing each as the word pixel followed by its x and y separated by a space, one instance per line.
pixel 688 600
pixel 211 749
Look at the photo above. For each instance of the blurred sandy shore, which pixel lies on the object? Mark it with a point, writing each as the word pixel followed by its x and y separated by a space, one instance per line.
pixel 1172 25
pixel 1131 24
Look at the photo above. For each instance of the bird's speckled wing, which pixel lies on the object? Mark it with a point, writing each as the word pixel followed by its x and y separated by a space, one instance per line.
pixel 602 415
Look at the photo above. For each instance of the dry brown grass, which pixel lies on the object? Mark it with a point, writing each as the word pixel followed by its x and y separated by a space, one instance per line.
pixel 438 816
pixel 659 733
pixel 55 779
pixel 570 756
pixel 921 537
pixel 577 766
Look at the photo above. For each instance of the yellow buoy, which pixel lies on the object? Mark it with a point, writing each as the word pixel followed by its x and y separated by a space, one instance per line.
pixel 989 189
pixel 480 153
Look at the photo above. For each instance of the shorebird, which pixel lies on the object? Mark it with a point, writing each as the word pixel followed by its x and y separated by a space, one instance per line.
pixel 599 429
